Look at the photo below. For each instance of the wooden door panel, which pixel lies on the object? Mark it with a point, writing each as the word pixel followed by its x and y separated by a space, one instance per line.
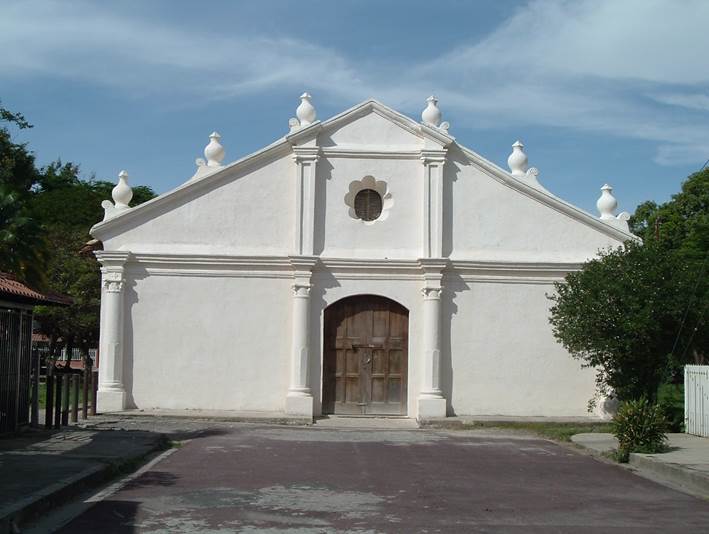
pixel 365 367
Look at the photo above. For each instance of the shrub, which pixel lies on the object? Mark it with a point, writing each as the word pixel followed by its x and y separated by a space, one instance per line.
pixel 640 427
pixel 670 397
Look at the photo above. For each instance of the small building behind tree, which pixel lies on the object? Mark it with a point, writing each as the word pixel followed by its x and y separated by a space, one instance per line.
pixel 17 301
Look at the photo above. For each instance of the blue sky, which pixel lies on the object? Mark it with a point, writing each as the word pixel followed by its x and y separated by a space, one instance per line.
pixel 598 90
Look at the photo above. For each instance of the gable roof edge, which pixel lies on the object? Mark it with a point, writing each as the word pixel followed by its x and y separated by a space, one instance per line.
pixel 190 185
pixel 545 197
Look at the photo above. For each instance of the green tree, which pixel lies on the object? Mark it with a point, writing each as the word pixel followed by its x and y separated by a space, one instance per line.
pixel 45 217
pixel 637 314
pixel 681 224
pixel 68 206
pixel 23 249
pixel 620 315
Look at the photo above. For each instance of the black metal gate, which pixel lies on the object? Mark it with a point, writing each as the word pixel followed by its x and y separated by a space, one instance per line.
pixel 15 366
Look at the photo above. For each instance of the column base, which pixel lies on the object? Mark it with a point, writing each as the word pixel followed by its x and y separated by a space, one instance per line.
pixel 110 400
pixel 301 405
pixel 431 407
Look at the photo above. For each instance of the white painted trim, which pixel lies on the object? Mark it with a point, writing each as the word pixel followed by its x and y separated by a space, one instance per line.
pixel 345 268
pixel 368 153
pixel 284 146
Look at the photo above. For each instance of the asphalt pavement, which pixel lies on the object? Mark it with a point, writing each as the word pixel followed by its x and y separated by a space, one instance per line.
pixel 257 478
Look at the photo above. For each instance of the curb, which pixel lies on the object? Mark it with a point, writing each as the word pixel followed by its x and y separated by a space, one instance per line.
pixel 694 482
pixel 442 423
pixel 13 516
pixel 285 420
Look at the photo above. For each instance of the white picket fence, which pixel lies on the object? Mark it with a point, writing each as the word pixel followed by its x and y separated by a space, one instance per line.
pixel 696 400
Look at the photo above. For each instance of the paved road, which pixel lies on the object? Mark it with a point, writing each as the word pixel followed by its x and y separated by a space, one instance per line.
pixel 246 478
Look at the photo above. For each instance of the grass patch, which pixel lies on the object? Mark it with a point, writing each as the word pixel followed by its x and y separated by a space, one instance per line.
pixel 555 431
pixel 42 395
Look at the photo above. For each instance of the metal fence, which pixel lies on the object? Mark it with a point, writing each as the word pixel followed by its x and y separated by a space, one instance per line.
pixel 696 400
pixel 15 367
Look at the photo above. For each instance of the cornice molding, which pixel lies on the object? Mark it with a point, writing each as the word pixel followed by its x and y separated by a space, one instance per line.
pixel 112 258
pixel 306 153
pixel 287 267
pixel 369 153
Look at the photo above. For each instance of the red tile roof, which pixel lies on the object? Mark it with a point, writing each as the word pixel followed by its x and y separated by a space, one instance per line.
pixel 14 290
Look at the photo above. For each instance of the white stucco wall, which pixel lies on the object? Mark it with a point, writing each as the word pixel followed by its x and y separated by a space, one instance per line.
pixel 341 236
pixel 489 220
pixel 244 212
pixel 207 342
pixel 503 357
pixel 230 349
pixel 208 292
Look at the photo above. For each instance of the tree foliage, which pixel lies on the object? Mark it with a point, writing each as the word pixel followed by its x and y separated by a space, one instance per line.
pixel 636 314
pixel 45 217
pixel 682 224
pixel 23 249
pixel 68 207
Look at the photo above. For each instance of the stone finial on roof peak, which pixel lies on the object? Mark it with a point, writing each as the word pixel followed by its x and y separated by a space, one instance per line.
pixel 305 112
pixel 431 115
pixel 519 166
pixel 122 195
pixel 517 160
pixel 607 205
pixel 214 151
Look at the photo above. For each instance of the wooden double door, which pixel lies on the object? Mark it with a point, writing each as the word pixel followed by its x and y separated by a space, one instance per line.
pixel 365 356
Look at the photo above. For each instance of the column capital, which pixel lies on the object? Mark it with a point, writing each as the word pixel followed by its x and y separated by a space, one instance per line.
pixel 113 281
pixel 432 266
pixel 306 154
pixel 303 263
pixel 431 293
pixel 112 258
pixel 433 157
pixel 301 289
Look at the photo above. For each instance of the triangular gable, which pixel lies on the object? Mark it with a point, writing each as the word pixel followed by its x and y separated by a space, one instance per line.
pixel 432 137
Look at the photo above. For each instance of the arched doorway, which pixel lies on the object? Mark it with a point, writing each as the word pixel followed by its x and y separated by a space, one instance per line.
pixel 365 367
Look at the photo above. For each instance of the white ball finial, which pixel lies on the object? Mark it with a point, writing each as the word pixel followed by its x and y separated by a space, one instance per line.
pixel 214 151
pixel 431 116
pixel 306 111
pixel 122 193
pixel 518 161
pixel 607 203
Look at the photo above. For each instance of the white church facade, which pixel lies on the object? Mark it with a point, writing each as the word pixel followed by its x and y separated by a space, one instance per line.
pixel 365 264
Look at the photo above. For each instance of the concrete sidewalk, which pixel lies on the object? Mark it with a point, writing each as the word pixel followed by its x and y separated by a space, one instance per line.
pixel 41 469
pixel 686 464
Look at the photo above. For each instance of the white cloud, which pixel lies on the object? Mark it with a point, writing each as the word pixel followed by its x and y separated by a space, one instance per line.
pixel 583 65
pixel 698 101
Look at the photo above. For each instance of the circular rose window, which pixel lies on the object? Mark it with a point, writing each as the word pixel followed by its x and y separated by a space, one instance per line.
pixel 369 200
pixel 368 205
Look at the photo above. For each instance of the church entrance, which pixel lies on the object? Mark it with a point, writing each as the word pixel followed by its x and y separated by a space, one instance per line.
pixel 365 356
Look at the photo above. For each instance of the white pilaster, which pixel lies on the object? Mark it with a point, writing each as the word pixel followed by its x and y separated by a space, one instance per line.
pixel 299 400
pixel 433 161
pixel 111 390
pixel 431 402
pixel 306 162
